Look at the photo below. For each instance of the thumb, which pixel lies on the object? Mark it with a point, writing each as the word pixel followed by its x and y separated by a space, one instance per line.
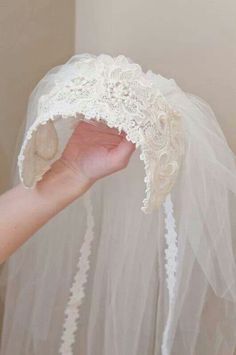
pixel 119 156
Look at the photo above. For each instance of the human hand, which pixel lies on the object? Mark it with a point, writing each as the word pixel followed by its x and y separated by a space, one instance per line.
pixel 95 150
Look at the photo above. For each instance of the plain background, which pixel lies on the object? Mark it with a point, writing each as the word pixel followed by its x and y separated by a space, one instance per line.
pixel 193 42
pixel 34 36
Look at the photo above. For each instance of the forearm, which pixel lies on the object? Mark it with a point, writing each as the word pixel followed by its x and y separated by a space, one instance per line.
pixel 24 211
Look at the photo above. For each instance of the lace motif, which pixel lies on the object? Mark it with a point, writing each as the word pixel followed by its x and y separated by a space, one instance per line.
pixel 118 92
pixel 77 291
pixel 171 255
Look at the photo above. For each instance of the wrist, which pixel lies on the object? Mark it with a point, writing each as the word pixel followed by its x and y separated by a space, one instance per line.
pixel 63 182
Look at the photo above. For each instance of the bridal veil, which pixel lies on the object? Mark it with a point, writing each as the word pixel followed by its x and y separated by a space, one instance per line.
pixel 107 276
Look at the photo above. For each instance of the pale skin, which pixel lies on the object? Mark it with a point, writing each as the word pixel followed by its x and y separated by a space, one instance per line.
pixel 94 151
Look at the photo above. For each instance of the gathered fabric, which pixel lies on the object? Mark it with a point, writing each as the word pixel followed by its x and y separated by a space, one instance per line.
pixel 103 277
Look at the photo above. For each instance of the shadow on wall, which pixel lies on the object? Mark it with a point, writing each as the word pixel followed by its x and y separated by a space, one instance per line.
pixel 4 177
pixel 34 36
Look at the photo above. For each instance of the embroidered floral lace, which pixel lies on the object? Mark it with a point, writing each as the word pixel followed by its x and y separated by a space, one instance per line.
pixel 118 92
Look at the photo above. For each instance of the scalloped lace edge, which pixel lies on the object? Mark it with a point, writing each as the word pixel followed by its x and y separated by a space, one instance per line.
pixel 77 291
pixel 147 206
pixel 171 256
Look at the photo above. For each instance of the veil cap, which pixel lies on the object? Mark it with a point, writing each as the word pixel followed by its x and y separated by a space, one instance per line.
pixel 118 92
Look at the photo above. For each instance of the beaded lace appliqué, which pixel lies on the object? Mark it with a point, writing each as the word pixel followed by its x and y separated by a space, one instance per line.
pixel 118 92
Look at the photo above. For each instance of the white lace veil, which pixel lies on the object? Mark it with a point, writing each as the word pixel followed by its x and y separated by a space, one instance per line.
pixel 125 307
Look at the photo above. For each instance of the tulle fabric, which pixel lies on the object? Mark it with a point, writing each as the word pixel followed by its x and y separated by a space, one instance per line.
pixel 126 304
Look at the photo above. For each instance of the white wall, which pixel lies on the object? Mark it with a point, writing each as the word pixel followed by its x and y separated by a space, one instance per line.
pixel 192 41
pixel 34 36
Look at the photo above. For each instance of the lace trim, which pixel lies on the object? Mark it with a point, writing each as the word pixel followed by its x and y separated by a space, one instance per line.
pixel 171 256
pixel 77 292
pixel 118 92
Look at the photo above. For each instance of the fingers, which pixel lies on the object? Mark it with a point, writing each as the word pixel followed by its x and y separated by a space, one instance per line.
pixel 86 133
pixel 119 156
pixel 98 134
pixel 98 127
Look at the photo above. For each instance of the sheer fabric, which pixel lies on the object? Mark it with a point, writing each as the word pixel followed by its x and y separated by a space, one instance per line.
pixel 126 305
